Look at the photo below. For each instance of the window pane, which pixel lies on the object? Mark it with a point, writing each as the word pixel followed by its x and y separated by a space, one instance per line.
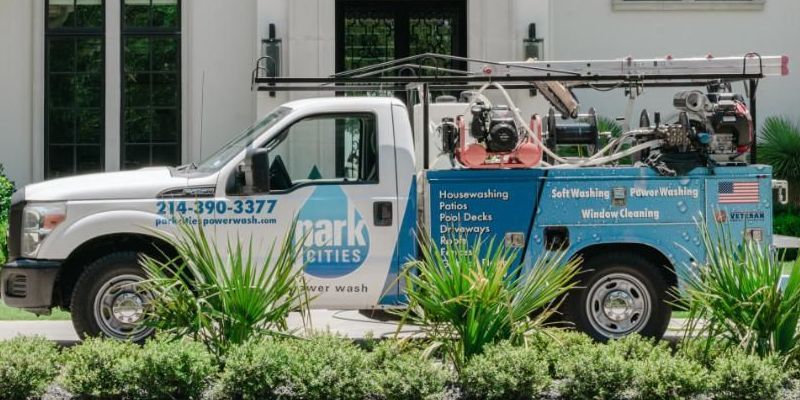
pixel 89 159
pixel 137 54
pixel 88 90
pixel 165 89
pixel 89 126
pixel 165 13
pixel 89 13
pixel 61 14
pixel 90 55
pixel 136 156
pixel 137 90
pixel 136 13
pixel 165 155
pixel 165 54
pixel 137 125
pixel 61 126
pixel 61 55
pixel 165 126
pixel 61 91
pixel 61 161
pixel 308 151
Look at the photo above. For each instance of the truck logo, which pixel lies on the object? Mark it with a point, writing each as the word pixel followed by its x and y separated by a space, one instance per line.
pixel 335 235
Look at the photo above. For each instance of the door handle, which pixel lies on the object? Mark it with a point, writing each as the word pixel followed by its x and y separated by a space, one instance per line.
pixel 382 213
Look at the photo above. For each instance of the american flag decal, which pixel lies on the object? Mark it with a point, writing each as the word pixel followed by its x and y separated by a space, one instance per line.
pixel 738 192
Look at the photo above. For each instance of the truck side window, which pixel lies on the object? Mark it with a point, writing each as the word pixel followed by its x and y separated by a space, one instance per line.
pixel 332 148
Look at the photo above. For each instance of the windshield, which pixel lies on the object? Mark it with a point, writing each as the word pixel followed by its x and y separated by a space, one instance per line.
pixel 237 145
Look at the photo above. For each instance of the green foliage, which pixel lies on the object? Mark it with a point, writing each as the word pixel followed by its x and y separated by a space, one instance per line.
pixel 170 368
pixel 736 297
pixel 780 147
pixel 556 345
pixel 323 367
pixel 27 366
pixel 740 376
pixel 597 372
pixel 165 368
pixel 465 298
pixel 660 375
pixel 402 373
pixel 6 190
pixel 505 372
pixel 224 301
pixel 100 369
pixel 786 222
pixel 605 124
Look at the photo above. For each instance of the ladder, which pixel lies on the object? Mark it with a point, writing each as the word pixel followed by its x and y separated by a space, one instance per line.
pixel 749 66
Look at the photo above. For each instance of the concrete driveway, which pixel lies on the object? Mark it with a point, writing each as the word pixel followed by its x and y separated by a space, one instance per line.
pixel 349 323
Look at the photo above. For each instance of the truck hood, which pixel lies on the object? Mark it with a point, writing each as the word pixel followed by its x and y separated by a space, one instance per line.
pixel 144 183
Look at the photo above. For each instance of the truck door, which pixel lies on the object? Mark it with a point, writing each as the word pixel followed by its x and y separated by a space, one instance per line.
pixel 335 174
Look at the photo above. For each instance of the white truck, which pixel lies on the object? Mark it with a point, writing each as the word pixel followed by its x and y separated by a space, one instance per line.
pixel 351 171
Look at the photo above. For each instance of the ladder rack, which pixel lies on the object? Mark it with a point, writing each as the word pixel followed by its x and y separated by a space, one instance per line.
pixel 421 74
pixel 438 69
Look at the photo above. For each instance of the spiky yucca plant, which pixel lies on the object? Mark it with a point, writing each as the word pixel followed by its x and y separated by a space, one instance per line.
pixel 224 300
pixel 780 147
pixel 737 298
pixel 468 296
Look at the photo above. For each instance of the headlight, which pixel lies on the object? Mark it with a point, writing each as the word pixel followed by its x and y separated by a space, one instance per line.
pixel 38 220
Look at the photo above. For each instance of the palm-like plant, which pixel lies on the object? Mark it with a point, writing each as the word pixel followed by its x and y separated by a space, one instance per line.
pixel 737 296
pixel 466 297
pixel 224 301
pixel 780 148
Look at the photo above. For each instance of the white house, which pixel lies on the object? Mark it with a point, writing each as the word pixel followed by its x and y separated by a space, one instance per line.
pixel 89 85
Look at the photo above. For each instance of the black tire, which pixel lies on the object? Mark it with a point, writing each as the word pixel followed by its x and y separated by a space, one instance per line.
pixel 620 278
pixel 118 270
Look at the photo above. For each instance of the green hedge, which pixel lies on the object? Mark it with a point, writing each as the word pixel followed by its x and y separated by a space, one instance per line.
pixel 27 367
pixel 6 190
pixel 161 369
pixel 553 365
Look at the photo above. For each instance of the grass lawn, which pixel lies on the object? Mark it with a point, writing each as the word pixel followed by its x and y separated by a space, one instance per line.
pixel 14 314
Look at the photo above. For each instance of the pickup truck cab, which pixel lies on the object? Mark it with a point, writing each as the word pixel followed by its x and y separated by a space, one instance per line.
pixel 346 169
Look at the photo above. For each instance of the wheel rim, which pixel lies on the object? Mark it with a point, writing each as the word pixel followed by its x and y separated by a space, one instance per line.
pixel 119 308
pixel 618 305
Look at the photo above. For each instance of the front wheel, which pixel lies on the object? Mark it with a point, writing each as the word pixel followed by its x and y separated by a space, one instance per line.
pixel 621 294
pixel 107 300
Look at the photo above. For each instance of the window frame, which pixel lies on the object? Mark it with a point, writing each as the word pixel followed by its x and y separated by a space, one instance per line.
pixel 74 33
pixel 150 32
pixel 271 143
pixel 682 5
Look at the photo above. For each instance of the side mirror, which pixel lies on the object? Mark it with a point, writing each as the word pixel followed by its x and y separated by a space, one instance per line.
pixel 256 170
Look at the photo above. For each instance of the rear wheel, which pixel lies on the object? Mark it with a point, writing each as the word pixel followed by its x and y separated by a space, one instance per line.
pixel 107 300
pixel 621 294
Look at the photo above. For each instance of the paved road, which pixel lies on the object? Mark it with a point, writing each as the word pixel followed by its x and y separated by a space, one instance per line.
pixel 349 323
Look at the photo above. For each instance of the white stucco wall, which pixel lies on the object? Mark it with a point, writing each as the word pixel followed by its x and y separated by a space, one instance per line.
pixel 16 82
pixel 219 54
pixel 592 29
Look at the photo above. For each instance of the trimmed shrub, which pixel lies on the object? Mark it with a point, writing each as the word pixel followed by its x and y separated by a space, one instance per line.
pixel 100 368
pixel 324 367
pixel 405 374
pixel 660 375
pixel 172 369
pixel 739 376
pixel 27 366
pixel 596 372
pixel 557 345
pixel 505 372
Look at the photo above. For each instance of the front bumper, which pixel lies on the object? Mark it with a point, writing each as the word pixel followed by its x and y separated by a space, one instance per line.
pixel 28 284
